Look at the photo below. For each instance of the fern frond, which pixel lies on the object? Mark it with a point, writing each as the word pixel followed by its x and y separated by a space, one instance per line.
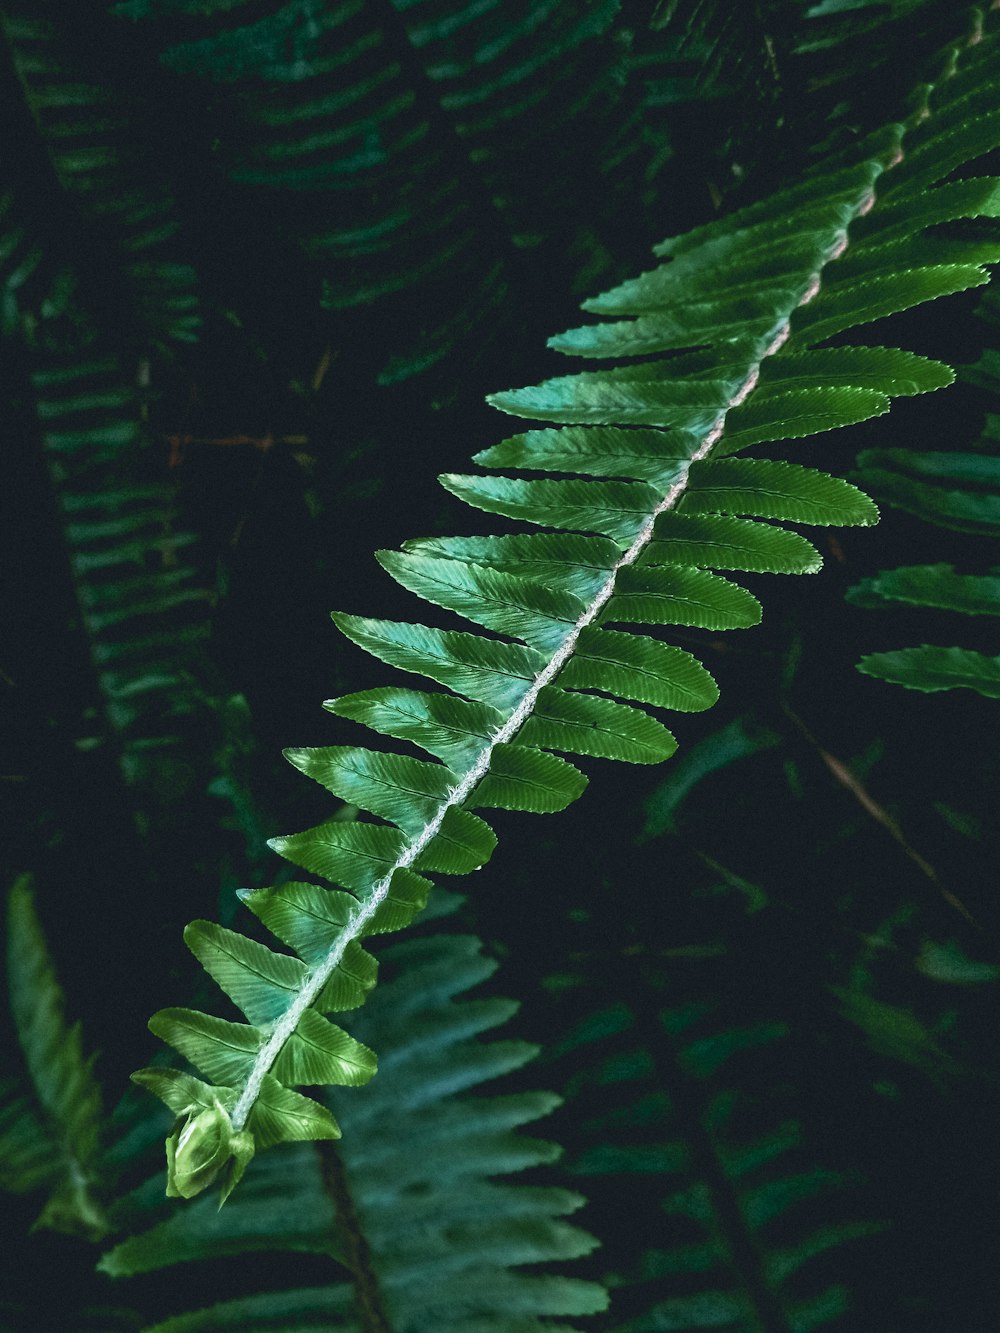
pixel 144 616
pixel 81 94
pixel 50 1139
pixel 794 270
pixel 742 1210
pixel 136 598
pixel 444 1240
pixel 395 143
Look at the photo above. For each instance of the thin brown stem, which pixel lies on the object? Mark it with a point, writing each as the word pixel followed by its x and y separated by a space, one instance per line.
pixel 852 783
pixel 367 1295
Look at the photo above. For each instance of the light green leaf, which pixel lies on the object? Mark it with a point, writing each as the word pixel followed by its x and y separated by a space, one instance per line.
pixel 283 1116
pixel 595 451
pixel 633 666
pixel 672 595
pixel 524 779
pixel 729 543
pixel 616 509
pixel 223 1051
pixel 304 916
pixel 486 671
pixel 497 600
pixel 405 791
pixel 775 490
pixel 319 1053
pixel 182 1092
pixel 257 980
pixel 355 856
pixel 579 565
pixel 601 399
pixel 453 729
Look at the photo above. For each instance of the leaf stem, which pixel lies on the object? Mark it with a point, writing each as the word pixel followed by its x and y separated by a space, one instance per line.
pixel 366 1289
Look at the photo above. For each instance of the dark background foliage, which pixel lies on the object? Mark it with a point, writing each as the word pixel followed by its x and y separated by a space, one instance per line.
pixel 247 319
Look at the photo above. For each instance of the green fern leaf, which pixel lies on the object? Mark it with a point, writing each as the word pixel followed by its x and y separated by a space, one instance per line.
pixel 729 543
pixel 136 601
pixel 979 197
pixel 799 412
pixel 931 669
pixel 952 490
pixel 53 1140
pixel 864 302
pixel 930 585
pixel 656 488
pixel 763 489
pixel 866 367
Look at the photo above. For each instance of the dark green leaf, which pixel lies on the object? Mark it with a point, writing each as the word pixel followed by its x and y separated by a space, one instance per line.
pixel 929 669
pixel 773 415
pixel 930 585
pixel 846 307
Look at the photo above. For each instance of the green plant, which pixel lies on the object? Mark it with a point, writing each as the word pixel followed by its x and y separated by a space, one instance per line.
pixel 757 291
pixel 260 260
